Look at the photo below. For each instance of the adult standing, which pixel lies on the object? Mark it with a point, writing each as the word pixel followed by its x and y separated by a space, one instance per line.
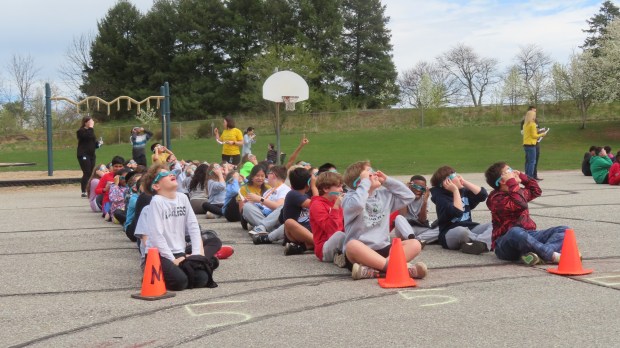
pixel 248 140
pixel 231 140
pixel 87 144
pixel 535 176
pixel 530 139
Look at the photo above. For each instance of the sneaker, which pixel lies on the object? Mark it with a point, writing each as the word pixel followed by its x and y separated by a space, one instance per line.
pixel 244 224
pixel 260 229
pixel 84 194
pixel 225 252
pixel 418 270
pixel 210 215
pixel 422 244
pixel 294 249
pixel 363 272
pixel 530 259
pixel 340 260
pixel 474 247
pixel 260 239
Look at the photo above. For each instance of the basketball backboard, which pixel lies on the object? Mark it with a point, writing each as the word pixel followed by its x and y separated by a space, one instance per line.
pixel 283 84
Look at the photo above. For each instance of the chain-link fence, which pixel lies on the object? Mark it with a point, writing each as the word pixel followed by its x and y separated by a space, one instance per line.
pixel 337 122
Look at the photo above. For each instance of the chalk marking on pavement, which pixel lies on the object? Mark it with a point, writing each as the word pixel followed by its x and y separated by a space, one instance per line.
pixel 418 294
pixel 244 316
pixel 595 280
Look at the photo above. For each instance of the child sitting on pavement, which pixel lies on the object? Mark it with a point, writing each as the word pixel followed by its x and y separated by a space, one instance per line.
pixel 169 218
pixel 412 221
pixel 263 212
pixel 103 187
pixel 98 173
pixel 514 232
pixel 216 189
pixel 454 199
pixel 327 220
pixel 295 215
pixel 367 207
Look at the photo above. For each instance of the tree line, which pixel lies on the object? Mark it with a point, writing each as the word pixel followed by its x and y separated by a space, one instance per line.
pixel 461 76
pixel 216 55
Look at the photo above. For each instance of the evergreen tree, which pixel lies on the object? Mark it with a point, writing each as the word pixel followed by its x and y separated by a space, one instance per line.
pixel 320 23
pixel 369 73
pixel 200 65
pixel 114 54
pixel 245 42
pixel 156 41
pixel 598 26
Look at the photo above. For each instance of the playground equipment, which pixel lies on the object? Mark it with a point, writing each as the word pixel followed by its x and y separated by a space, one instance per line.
pixel 163 98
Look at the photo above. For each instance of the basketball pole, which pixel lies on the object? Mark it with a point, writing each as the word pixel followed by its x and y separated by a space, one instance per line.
pixel 278 152
pixel 48 124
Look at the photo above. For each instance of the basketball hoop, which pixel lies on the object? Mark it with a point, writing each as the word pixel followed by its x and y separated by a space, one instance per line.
pixel 289 102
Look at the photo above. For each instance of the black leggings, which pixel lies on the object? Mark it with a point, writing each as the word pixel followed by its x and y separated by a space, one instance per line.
pixel 87 164
pixel 174 277
pixel 213 208
pixel 232 213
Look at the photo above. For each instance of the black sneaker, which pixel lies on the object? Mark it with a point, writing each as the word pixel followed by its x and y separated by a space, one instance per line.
pixel 474 247
pixel 294 249
pixel 84 194
pixel 244 224
pixel 260 239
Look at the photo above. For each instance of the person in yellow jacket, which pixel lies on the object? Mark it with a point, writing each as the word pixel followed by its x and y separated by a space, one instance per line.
pixel 530 137
pixel 232 141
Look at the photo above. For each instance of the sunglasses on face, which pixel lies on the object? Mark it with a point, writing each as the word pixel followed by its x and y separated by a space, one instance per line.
pixel 452 176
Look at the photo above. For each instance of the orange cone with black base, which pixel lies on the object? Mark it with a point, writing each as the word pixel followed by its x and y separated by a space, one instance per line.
pixel 153 286
pixel 570 261
pixel 397 275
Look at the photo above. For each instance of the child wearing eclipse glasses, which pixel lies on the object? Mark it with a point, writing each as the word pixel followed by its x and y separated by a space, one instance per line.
pixel 454 199
pixel 514 232
pixel 367 205
pixel 412 221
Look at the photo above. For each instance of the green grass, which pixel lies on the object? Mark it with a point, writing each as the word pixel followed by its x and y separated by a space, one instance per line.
pixel 395 151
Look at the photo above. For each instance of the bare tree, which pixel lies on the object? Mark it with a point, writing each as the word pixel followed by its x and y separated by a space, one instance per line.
pixel 575 79
pixel 77 62
pixel 476 74
pixel 23 72
pixel 533 65
pixel 513 87
pixel 443 85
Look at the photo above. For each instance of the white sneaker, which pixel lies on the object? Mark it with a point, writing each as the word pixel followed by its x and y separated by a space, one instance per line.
pixel 260 229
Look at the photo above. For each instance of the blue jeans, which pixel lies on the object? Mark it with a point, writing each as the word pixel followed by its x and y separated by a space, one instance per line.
pixel 530 160
pixel 518 241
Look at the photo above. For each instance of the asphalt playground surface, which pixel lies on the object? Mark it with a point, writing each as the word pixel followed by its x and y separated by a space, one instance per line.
pixel 67 277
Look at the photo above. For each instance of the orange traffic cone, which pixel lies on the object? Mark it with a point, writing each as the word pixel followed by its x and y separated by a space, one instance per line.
pixel 397 275
pixel 153 286
pixel 570 261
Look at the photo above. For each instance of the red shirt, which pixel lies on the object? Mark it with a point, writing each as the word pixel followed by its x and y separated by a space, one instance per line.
pixel 614 174
pixel 107 177
pixel 509 209
pixel 324 221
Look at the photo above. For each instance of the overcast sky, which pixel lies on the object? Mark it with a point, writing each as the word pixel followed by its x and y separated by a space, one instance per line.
pixel 421 29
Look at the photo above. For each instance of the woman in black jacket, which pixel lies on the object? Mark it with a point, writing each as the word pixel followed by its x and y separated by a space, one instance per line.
pixel 87 143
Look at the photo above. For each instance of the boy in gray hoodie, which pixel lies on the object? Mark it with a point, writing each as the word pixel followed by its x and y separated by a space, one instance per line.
pixel 372 196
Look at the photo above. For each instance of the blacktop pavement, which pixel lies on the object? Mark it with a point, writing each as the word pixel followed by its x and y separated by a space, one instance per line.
pixel 67 277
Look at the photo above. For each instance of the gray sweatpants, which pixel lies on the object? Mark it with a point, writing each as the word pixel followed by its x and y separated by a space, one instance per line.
pixel 334 244
pixel 254 216
pixel 402 229
pixel 459 235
